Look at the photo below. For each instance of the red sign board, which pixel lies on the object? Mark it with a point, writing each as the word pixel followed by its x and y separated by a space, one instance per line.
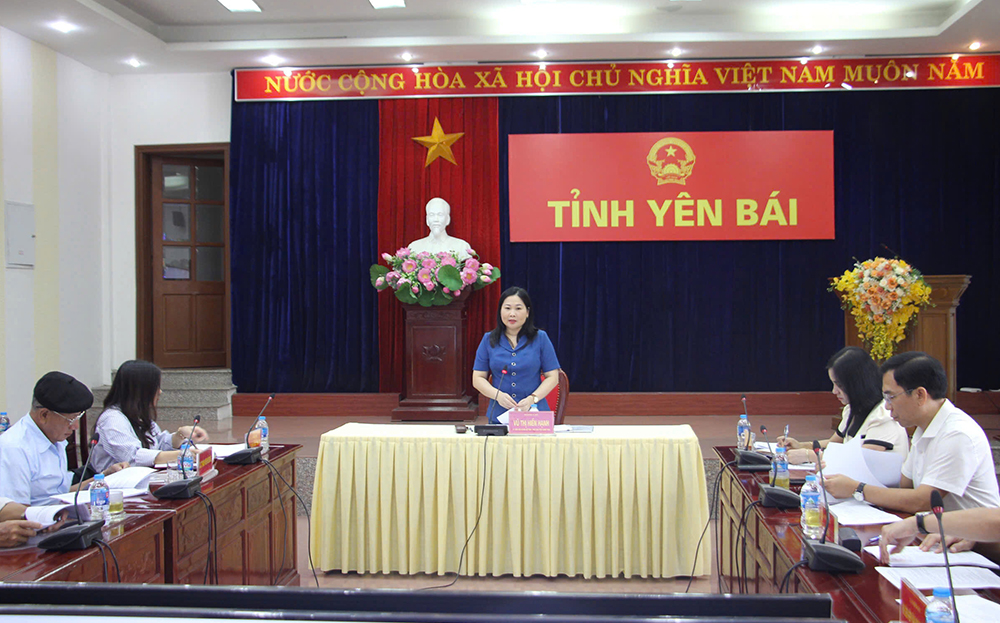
pixel 671 186
pixel 310 83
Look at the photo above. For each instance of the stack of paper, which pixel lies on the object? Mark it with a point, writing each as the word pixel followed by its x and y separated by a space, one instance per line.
pixel 913 556
pixel 851 512
pixel 46 515
pixel 927 578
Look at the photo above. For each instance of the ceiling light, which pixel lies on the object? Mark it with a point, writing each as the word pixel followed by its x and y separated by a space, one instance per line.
pixel 676 52
pixel 416 70
pixel 388 4
pixel 804 61
pixel 670 64
pixel 539 53
pixel 846 86
pixel 955 57
pixel 817 49
pixel 541 66
pixel 911 74
pixel 406 56
pixel 240 6
pixel 287 71
pixel 975 45
pixel 273 60
pixel 134 62
pixel 63 26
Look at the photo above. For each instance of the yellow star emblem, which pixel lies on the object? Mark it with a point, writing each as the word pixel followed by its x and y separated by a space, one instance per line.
pixel 438 144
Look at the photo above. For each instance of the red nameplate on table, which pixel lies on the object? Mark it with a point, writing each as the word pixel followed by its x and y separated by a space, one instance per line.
pixel 531 423
pixel 205 461
pixel 912 603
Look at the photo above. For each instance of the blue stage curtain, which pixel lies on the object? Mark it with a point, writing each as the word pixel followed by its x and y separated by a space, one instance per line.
pixel 917 171
pixel 303 203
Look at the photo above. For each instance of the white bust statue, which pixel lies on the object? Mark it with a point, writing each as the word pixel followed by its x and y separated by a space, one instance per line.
pixel 438 218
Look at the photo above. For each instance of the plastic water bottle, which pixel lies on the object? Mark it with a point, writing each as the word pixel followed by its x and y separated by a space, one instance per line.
pixel 99 498
pixel 743 433
pixel 185 460
pixel 812 512
pixel 781 476
pixel 258 436
pixel 939 608
pixel 4 422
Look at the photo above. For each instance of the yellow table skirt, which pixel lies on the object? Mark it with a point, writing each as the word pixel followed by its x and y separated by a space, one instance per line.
pixel 621 501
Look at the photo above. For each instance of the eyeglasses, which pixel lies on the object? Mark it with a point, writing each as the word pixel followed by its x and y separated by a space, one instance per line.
pixel 72 420
pixel 889 397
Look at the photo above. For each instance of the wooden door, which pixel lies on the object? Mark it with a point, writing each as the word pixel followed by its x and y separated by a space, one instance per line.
pixel 190 233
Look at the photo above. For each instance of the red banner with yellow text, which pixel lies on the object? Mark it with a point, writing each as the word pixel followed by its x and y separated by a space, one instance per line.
pixel 671 186
pixel 590 78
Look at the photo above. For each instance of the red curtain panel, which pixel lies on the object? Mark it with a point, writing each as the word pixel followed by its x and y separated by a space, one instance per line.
pixel 471 187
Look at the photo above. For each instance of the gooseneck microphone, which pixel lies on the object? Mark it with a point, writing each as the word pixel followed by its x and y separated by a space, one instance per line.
pixel 249 456
pixel 937 507
pixel 180 460
pixel 90 455
pixel 80 535
pixel 746 458
pixel 493 402
pixel 763 431
pixel 829 557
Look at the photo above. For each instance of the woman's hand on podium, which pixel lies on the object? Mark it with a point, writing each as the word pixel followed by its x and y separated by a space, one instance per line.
pixel 505 401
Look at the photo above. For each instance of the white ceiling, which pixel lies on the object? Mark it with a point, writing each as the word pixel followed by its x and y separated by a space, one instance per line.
pixel 170 36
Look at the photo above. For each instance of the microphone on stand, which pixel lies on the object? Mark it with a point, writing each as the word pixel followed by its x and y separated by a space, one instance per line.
pixel 494 401
pixel 829 557
pixel 763 431
pixel 249 456
pixel 937 507
pixel 747 459
pixel 80 535
pixel 180 460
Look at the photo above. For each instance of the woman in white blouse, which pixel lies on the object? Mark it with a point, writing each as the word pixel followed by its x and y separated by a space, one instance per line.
pixel 128 426
pixel 858 385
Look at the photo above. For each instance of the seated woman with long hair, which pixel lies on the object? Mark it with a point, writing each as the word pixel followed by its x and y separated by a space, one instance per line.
pixel 128 426
pixel 858 385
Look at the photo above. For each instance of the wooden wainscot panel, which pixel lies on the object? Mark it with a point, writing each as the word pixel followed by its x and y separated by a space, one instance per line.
pixel 229 509
pixel 284 549
pixel 141 560
pixel 232 558
pixel 258 558
pixel 191 530
pixel 258 495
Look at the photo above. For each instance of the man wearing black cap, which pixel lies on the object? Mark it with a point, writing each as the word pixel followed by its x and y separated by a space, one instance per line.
pixel 33 463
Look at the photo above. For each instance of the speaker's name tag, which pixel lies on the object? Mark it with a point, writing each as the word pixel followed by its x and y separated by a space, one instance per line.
pixel 531 423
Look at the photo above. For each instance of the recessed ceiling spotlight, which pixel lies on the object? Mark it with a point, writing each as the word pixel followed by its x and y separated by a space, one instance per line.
pixel 817 49
pixel 134 62
pixel 955 57
pixel 388 4
pixel 670 64
pixel 676 51
pixel 804 60
pixel 541 66
pixel 406 56
pixel 911 74
pixel 63 26
pixel 975 45
pixel 287 71
pixel 539 53
pixel 846 86
pixel 416 70
pixel 240 6
pixel 273 60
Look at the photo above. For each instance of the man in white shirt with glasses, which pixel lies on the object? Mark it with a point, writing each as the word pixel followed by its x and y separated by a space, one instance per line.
pixel 33 462
pixel 949 453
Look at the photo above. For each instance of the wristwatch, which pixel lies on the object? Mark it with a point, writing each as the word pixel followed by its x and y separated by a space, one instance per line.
pixel 859 493
pixel 921 528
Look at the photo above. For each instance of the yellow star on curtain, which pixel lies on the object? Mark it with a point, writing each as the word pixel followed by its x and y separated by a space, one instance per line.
pixel 438 144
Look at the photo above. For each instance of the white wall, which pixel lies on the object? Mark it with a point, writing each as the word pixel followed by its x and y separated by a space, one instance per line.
pixel 67 142
pixel 152 110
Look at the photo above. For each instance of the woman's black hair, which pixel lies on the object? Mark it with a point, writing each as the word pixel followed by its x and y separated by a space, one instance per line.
pixel 133 391
pixel 528 329
pixel 856 373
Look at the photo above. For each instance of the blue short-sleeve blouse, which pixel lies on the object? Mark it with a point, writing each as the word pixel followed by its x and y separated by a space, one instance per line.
pixel 525 365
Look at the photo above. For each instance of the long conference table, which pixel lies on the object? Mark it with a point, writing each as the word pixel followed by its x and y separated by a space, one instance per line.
pixel 619 501
pixel 774 543
pixel 166 541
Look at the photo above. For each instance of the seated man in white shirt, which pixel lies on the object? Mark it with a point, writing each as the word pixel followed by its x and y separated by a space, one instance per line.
pixel 949 452
pixel 14 529
pixel 33 463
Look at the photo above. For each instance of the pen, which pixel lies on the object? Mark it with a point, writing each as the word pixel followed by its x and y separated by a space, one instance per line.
pixel 874 539
pixel 786 430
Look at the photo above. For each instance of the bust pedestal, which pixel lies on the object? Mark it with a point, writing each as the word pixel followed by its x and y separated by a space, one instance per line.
pixel 435 370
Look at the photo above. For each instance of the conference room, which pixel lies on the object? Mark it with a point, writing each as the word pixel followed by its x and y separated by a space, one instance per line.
pixel 608 230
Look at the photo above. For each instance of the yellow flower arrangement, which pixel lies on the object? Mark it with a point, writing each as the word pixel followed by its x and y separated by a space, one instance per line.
pixel 883 295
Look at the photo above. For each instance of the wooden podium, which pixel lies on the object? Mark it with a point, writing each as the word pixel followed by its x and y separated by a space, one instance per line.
pixel 435 372
pixel 933 332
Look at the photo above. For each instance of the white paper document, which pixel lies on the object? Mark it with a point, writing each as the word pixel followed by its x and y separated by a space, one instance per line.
pixel 976 609
pixel 46 515
pixel 851 512
pixel 67 498
pixel 926 578
pixel 567 428
pixel 872 466
pixel 763 446
pixel 130 478
pixel 912 556
pixel 221 451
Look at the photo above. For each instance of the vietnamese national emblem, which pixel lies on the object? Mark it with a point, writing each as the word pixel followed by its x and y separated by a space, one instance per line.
pixel 670 161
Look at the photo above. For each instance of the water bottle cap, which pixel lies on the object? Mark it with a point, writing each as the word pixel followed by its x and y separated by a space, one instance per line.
pixel 260 417
pixel 99 477
pixel 942 592
pixel 810 477
pixel 780 449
